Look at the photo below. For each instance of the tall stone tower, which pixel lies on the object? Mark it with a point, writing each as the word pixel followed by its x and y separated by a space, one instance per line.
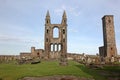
pixel 109 36
pixel 56 46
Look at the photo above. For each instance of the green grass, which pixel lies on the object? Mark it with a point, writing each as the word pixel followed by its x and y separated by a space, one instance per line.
pixel 112 68
pixel 13 71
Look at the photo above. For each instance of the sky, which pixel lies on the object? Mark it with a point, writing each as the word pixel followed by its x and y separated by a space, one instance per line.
pixel 22 24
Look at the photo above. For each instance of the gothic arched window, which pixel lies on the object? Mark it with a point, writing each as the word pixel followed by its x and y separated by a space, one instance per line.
pixel 55 32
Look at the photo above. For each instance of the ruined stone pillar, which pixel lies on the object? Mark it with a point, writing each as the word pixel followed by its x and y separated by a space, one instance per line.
pixel 57 47
pixel 53 47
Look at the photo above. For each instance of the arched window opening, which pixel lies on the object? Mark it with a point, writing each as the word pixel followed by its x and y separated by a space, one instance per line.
pixel 59 47
pixel 47 21
pixel 55 32
pixel 63 31
pixel 51 47
pixel 55 47
pixel 38 54
pixel 109 21
pixel 47 31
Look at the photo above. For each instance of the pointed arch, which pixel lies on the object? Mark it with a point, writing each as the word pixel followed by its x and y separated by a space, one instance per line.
pixel 55 32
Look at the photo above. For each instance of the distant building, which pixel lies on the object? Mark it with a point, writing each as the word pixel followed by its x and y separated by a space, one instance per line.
pixel 33 54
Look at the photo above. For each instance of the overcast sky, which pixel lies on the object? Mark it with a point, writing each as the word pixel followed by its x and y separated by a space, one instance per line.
pixel 22 23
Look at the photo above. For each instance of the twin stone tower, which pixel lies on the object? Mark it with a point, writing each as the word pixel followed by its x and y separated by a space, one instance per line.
pixel 56 46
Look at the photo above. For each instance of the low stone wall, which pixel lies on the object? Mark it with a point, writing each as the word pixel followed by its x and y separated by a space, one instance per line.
pixel 4 58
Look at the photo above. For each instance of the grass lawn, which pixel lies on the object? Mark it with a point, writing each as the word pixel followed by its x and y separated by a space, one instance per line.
pixel 13 71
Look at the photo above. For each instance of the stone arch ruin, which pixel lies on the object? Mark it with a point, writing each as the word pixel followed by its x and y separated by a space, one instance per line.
pixel 56 46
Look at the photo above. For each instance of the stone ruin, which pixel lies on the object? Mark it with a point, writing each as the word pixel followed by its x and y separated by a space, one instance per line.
pixel 8 58
pixel 108 52
pixel 55 47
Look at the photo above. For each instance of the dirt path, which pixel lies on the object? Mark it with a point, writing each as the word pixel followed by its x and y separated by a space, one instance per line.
pixel 55 78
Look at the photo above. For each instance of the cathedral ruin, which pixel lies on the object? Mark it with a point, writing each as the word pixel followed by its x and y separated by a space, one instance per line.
pixel 55 46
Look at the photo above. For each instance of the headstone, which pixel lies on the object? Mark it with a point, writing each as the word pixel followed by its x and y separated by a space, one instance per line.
pixel 89 61
pixel 112 59
pixel 119 60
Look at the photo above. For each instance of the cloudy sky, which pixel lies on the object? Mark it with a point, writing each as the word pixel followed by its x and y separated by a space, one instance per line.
pixel 22 23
